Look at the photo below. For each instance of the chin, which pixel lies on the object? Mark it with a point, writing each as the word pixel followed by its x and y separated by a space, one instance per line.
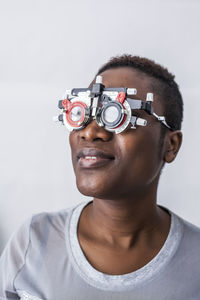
pixel 88 190
pixel 100 191
pixel 92 188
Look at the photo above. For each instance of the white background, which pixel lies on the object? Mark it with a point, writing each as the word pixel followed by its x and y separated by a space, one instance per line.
pixel 49 46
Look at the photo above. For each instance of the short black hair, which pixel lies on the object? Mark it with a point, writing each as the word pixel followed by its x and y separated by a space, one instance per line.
pixel 164 85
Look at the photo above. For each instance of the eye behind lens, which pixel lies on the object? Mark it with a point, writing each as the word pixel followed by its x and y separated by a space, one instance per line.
pixel 112 114
pixel 76 113
pixel 77 116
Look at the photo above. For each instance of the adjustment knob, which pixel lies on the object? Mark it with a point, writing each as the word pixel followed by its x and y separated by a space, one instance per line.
pixel 149 97
pixel 131 91
pixel 99 79
pixel 141 122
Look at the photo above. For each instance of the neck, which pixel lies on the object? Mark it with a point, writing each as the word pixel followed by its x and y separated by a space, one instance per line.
pixel 122 222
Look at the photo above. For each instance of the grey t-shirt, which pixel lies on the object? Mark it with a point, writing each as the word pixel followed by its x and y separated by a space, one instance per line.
pixel 43 260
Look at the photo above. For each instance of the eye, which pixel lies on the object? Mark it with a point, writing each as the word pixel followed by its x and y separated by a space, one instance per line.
pixel 111 114
pixel 76 113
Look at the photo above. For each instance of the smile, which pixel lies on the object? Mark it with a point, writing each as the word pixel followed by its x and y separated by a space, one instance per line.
pixel 93 158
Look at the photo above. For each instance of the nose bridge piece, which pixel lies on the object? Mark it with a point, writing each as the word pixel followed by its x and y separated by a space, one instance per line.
pixel 93 131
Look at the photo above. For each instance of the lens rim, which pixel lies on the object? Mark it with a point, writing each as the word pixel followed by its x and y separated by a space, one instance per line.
pixel 120 117
pixel 83 118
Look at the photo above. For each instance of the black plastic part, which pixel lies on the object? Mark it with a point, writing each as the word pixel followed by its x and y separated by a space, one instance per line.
pixel 60 104
pixel 97 89
pixel 102 89
pixel 60 118
pixel 120 89
pixel 147 106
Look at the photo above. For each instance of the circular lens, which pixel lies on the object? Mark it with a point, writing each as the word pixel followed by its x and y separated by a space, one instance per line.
pixel 111 114
pixel 76 113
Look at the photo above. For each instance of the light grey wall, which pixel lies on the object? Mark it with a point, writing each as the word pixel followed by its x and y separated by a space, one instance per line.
pixel 48 46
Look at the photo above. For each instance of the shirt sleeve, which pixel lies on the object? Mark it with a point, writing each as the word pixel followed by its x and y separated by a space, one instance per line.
pixel 12 261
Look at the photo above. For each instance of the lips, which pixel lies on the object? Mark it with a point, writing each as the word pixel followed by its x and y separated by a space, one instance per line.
pixel 93 158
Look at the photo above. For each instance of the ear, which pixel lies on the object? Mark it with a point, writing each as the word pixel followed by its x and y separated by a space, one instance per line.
pixel 173 143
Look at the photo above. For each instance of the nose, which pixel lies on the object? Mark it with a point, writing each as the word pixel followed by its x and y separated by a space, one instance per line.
pixel 94 132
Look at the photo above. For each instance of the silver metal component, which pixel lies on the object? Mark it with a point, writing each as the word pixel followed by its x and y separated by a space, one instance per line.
pixel 123 111
pixel 149 97
pixel 133 121
pixel 126 122
pixel 94 106
pixel 131 91
pixel 98 120
pixel 100 124
pixel 99 79
pixel 112 94
pixel 161 119
pixel 141 122
pixel 66 94
pixel 84 95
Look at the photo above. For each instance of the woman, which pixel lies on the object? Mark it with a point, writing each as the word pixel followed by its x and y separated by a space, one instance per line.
pixel 120 245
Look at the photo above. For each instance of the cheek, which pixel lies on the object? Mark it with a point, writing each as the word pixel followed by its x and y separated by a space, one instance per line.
pixel 141 161
pixel 73 142
pixel 71 139
pixel 137 164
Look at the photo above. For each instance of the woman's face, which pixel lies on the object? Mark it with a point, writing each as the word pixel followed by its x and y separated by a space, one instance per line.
pixel 109 165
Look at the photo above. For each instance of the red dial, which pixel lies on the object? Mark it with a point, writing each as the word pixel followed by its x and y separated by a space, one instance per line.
pixel 75 114
pixel 121 97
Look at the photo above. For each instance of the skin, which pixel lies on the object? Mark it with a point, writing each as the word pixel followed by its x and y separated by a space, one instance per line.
pixel 123 228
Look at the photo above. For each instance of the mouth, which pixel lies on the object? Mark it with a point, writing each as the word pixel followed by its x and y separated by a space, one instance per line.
pixel 93 158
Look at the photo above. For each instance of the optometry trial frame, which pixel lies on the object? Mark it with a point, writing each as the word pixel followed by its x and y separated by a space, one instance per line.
pixel 110 107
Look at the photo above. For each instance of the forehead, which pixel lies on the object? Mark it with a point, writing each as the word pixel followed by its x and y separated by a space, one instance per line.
pixel 128 77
